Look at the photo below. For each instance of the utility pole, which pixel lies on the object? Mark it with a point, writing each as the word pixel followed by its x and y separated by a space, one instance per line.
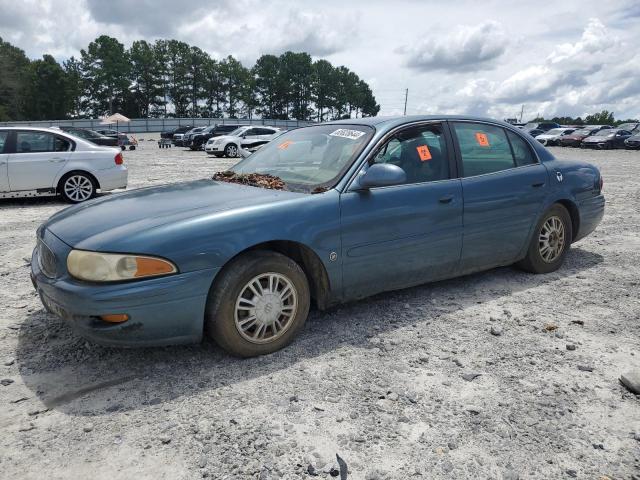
pixel 521 112
pixel 406 95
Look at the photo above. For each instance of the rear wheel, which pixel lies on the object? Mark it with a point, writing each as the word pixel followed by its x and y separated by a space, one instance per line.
pixel 550 242
pixel 258 304
pixel 77 187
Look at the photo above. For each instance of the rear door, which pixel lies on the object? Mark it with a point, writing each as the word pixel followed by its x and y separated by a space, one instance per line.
pixel 504 188
pixel 407 234
pixel 36 159
pixel 4 178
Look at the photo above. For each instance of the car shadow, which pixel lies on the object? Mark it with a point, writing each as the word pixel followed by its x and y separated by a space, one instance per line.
pixel 69 374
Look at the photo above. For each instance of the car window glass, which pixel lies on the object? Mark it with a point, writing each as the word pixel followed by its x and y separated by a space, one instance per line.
pixel 521 151
pixel 3 140
pixel 484 148
pixel 62 145
pixel 421 152
pixel 34 142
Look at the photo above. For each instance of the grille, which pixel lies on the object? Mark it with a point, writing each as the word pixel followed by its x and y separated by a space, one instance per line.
pixel 47 260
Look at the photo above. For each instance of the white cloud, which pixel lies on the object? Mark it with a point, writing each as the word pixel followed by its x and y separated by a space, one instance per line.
pixel 467 48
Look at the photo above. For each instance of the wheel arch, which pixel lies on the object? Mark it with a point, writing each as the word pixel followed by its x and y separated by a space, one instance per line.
pixel 309 261
pixel 77 170
pixel 574 214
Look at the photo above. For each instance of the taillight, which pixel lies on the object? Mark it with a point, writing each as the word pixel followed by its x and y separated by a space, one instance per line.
pixel 119 159
pixel 601 182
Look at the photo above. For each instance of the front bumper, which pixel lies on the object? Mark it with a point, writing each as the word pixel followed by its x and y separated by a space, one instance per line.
pixel 213 148
pixel 162 311
pixel 633 144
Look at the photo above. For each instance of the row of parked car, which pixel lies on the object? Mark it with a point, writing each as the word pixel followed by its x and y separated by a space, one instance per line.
pixel 228 140
pixel 626 135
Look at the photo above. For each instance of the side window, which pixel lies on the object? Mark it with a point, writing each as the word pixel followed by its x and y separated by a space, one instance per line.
pixel 420 151
pixel 264 131
pixel 521 151
pixel 62 145
pixel 34 142
pixel 3 140
pixel 484 148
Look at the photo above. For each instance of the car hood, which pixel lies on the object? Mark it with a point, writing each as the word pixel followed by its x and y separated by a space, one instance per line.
pixel 98 222
pixel 226 138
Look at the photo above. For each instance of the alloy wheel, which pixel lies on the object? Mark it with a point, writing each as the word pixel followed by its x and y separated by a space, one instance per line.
pixel 78 188
pixel 232 151
pixel 551 241
pixel 266 307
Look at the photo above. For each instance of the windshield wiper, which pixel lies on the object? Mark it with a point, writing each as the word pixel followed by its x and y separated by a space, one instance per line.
pixel 262 180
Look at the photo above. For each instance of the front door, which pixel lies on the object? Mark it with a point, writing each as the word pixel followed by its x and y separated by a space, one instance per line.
pixel 504 189
pixel 36 159
pixel 403 235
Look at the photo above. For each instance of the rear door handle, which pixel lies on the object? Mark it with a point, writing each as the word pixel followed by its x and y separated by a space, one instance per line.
pixel 446 199
pixel 536 185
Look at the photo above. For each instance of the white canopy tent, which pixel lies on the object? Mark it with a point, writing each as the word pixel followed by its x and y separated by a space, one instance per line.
pixel 115 118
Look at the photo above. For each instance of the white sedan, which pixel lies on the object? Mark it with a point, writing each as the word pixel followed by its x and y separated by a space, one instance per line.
pixel 48 161
pixel 553 136
pixel 241 138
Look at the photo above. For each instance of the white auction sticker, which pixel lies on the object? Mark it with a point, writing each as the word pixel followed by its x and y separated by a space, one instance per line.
pixel 346 133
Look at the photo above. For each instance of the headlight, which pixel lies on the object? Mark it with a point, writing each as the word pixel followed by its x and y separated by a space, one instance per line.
pixel 111 267
pixel 217 141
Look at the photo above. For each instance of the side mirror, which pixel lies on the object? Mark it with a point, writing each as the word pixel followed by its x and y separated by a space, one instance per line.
pixel 380 175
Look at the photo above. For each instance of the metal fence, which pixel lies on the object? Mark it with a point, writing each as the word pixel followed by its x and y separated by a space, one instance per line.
pixel 144 125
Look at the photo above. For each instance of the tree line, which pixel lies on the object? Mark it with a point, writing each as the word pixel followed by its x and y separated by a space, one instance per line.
pixel 170 78
pixel 605 117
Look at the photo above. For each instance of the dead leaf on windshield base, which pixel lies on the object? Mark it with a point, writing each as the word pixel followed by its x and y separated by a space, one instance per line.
pixel 270 182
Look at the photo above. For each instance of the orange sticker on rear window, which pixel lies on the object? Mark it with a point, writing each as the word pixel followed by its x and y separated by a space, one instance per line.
pixel 423 153
pixel 482 139
pixel 285 145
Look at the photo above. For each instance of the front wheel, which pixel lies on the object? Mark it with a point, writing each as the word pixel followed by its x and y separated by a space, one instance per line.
pixel 550 242
pixel 258 304
pixel 231 151
pixel 77 187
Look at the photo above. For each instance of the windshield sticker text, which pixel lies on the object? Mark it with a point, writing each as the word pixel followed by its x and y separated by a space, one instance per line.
pixel 347 133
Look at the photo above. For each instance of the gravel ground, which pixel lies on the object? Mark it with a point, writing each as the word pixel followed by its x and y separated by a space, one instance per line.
pixel 499 375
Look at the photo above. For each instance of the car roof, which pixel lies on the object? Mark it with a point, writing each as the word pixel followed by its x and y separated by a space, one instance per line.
pixel 38 129
pixel 394 121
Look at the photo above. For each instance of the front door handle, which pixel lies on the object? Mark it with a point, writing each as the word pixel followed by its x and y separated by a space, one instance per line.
pixel 446 199
pixel 536 185
pixel 56 160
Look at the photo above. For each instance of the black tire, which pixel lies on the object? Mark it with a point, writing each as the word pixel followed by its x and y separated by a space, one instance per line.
pixel 83 194
pixel 228 150
pixel 534 261
pixel 220 313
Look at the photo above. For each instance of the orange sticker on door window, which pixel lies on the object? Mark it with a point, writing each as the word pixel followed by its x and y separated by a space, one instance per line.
pixel 482 139
pixel 423 153
pixel 285 145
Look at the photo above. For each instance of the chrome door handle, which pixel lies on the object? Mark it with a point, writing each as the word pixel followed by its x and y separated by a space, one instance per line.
pixel 56 160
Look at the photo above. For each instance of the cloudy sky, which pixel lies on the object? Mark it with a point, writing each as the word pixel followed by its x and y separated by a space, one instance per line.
pixel 485 58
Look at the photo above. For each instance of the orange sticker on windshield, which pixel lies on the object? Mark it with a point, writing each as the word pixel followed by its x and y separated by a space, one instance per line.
pixel 424 153
pixel 482 139
pixel 285 145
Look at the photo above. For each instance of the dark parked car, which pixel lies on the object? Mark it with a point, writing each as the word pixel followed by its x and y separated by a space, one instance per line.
pixel 328 213
pixel 171 132
pixel 200 139
pixel 91 135
pixel 543 126
pixel 606 139
pixel 575 139
pixel 188 136
pixel 180 138
pixel 633 143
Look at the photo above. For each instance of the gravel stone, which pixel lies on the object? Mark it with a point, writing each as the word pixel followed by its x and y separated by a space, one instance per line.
pixel 496 330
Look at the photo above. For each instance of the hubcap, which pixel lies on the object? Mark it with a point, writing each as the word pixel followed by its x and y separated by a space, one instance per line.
pixel 78 188
pixel 552 239
pixel 233 151
pixel 266 307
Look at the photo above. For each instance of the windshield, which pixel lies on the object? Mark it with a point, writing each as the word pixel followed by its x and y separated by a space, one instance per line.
pixel 310 157
pixel 556 131
pixel 530 126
